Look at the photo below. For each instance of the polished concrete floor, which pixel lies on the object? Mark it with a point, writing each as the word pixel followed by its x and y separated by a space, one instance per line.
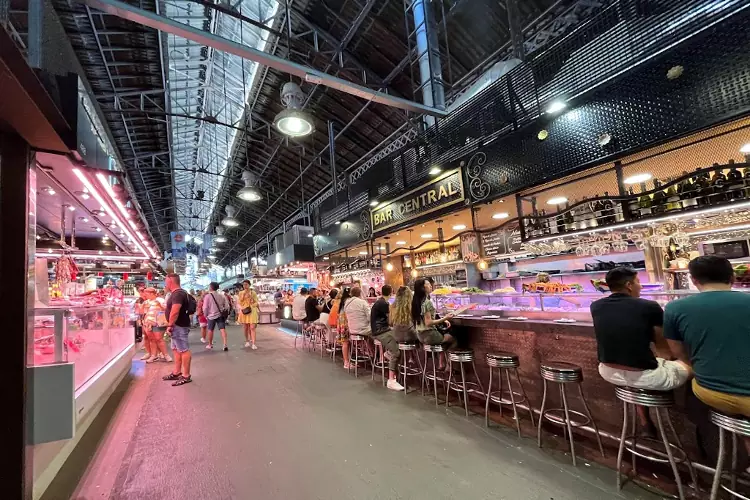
pixel 279 423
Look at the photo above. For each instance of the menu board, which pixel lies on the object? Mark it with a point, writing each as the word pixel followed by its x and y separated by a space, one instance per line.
pixel 501 242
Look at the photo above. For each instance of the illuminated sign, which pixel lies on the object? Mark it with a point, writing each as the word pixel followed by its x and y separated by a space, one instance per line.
pixel 444 191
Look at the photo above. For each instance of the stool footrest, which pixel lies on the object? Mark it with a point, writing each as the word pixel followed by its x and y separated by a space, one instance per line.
pixel 517 398
pixel 471 387
pixel 550 415
pixel 654 455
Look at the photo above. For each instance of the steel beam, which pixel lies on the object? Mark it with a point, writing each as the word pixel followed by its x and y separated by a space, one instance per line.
pixel 146 18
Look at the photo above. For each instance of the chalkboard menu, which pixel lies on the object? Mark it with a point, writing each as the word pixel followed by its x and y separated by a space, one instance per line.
pixel 501 242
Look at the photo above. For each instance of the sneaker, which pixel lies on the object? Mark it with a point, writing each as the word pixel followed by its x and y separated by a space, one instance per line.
pixel 203 340
pixel 152 359
pixel 209 346
pixel 247 344
pixel 394 385
pixel 168 359
pixel 226 348
pixel 255 347
pixel 160 356
pixel 347 366
pixel 145 357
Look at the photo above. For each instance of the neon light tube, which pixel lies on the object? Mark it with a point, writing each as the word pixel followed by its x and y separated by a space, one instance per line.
pixel 106 206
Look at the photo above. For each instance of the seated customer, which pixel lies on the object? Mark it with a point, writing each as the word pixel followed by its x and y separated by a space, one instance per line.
pixel 423 315
pixel 381 331
pixel 312 307
pixel 357 313
pixel 402 325
pixel 625 327
pixel 711 331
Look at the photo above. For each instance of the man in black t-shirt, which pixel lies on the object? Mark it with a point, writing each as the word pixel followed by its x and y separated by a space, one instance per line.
pixel 312 307
pixel 625 327
pixel 178 328
pixel 381 330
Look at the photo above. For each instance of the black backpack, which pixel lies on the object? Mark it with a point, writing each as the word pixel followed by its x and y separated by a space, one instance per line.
pixel 192 305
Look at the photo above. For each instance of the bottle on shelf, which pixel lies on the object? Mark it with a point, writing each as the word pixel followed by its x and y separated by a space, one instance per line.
pixel 544 223
pixel 659 200
pixel 747 183
pixel 598 208
pixel 687 191
pixel 645 203
pixel 702 187
pixel 735 181
pixel 719 186
pixel 560 220
pixel 633 205
pixel 673 198
pixel 569 218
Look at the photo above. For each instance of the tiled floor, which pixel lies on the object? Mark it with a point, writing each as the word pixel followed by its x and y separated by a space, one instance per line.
pixel 279 423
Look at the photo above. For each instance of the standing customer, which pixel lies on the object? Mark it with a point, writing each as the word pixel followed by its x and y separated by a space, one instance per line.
pixel 381 330
pixel 423 315
pixel 711 332
pixel 358 313
pixel 202 321
pixel 298 305
pixel 153 318
pixel 216 310
pixel 178 327
pixel 249 314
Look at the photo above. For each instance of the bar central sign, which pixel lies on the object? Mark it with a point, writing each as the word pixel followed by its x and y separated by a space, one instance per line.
pixel 444 191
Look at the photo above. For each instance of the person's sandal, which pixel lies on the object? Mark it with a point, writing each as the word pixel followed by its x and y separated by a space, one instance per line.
pixel 172 376
pixel 182 381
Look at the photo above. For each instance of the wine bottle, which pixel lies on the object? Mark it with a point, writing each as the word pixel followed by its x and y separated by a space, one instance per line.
pixel 560 221
pixel 747 183
pixel 659 199
pixel 673 198
pixel 608 209
pixel 686 190
pixel 718 186
pixel 633 205
pixel 734 178
pixel 569 219
pixel 702 188
pixel 645 203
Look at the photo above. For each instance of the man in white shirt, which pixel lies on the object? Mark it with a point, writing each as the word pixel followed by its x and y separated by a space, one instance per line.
pixel 216 309
pixel 357 313
pixel 298 305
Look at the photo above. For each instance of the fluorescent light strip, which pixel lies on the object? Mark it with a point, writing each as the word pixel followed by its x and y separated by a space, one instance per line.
pixel 644 222
pixel 94 256
pixel 721 230
pixel 108 188
pixel 106 206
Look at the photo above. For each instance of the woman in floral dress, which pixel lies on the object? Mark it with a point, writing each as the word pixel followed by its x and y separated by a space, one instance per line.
pixel 248 299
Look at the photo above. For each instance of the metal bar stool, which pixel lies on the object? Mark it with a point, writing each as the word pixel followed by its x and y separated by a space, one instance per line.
pixel 409 351
pixel 435 376
pixel 321 337
pixel 358 353
pixel 737 426
pixel 302 326
pixel 379 361
pixel 505 362
pixel 565 373
pixel 675 454
pixel 462 356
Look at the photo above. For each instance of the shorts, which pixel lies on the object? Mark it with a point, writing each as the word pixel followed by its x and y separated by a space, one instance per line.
pixel 666 376
pixel 430 337
pixel 217 322
pixel 202 321
pixel 180 338
pixel 729 404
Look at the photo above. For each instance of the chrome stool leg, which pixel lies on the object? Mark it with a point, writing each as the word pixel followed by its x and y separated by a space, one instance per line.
pixel 621 449
pixel 466 394
pixel 513 403
pixel 591 417
pixel 567 423
pixel 541 413
pixel 487 401
pixel 719 465
pixel 670 456
pixel 525 397
pixel 688 462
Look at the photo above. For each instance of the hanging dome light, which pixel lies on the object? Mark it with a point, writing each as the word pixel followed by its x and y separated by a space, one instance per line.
pixel 220 238
pixel 293 121
pixel 249 192
pixel 229 220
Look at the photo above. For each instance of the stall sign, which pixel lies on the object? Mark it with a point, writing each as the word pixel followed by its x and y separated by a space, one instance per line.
pixel 444 191
pixel 501 242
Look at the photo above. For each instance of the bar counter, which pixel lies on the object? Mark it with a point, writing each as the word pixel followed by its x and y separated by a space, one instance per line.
pixel 538 340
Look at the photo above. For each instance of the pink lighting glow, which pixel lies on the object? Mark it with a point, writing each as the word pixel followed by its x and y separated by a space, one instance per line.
pixel 106 206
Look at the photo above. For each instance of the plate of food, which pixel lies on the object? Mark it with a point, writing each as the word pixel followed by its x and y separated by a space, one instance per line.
pixel 565 320
pixel 518 318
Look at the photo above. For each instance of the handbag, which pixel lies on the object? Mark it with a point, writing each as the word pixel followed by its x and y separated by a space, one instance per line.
pixel 224 314
pixel 247 310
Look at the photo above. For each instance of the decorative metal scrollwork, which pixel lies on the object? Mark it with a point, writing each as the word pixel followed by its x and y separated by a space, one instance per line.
pixel 366 232
pixel 478 187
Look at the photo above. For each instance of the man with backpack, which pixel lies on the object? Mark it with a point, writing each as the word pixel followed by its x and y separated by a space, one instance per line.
pixel 180 306
pixel 216 309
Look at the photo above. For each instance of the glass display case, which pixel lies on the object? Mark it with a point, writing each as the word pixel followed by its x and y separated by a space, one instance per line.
pixel 541 306
pixel 87 336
